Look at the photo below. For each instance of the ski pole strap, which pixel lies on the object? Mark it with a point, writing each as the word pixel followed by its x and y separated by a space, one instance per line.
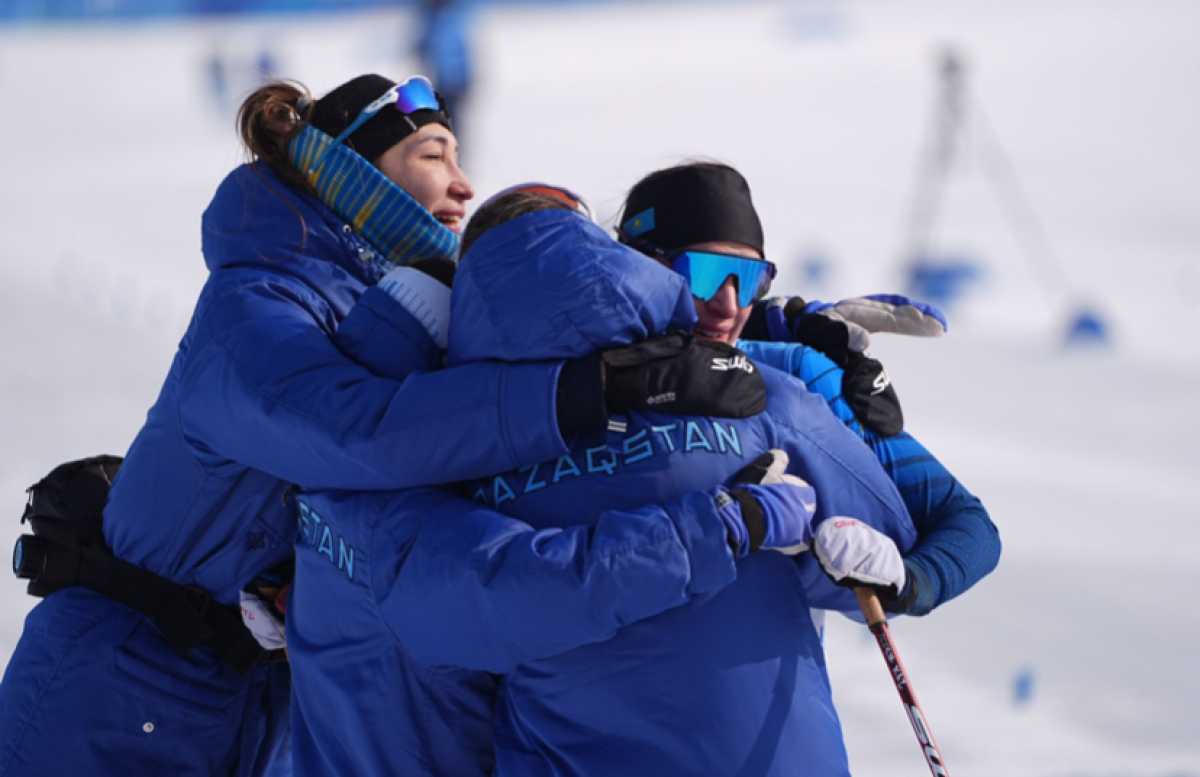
pixel 187 616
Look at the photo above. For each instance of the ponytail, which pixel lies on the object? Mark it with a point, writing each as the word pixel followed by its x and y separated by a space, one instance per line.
pixel 268 120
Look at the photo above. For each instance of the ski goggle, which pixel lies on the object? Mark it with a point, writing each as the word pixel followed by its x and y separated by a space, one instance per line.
pixel 415 94
pixel 559 193
pixel 706 273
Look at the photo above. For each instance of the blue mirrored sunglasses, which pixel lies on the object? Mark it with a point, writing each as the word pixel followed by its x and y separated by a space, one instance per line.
pixel 415 94
pixel 706 272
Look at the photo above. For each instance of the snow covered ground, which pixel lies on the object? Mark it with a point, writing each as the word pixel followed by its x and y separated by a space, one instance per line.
pixel 111 144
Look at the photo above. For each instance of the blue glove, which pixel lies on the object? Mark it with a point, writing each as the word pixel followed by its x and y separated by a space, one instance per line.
pixel 766 508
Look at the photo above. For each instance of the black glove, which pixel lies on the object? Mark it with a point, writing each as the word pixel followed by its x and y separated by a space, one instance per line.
pixel 678 373
pixel 870 394
pixel 905 601
pixel 783 319
pixel 771 319
pixel 673 373
pixel 865 384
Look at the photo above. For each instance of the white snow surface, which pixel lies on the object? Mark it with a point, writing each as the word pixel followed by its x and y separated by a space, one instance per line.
pixel 110 147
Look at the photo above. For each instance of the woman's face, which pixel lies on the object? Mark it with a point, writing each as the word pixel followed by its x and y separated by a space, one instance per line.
pixel 720 317
pixel 425 164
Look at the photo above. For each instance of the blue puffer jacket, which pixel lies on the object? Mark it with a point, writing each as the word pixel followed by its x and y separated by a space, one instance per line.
pixel 682 692
pixel 259 397
pixel 355 550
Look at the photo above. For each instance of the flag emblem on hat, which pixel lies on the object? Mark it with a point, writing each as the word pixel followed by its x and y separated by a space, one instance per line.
pixel 639 224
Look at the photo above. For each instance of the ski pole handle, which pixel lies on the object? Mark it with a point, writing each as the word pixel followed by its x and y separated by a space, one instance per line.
pixel 868 602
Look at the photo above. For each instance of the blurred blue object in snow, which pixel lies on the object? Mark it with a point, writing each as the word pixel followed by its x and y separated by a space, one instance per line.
pixel 942 281
pixel 1023 686
pixel 815 268
pixel 216 76
pixel 810 20
pixel 265 64
pixel 1087 327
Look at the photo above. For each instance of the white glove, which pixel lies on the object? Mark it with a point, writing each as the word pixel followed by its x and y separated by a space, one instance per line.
pixel 851 552
pixel 265 626
pixel 422 295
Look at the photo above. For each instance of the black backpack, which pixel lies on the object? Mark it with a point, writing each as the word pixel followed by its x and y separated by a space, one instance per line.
pixel 67 548
pixel 64 509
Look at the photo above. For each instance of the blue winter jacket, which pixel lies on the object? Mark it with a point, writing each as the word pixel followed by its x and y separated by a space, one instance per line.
pixel 259 397
pixel 353 547
pixel 683 692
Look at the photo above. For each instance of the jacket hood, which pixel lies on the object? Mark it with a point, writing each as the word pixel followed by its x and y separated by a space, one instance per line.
pixel 255 219
pixel 552 285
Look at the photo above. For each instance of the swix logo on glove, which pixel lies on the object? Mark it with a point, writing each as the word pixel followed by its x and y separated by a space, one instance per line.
pixel 881 382
pixel 727 363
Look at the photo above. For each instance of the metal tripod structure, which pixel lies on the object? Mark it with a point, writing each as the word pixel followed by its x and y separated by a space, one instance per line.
pixel 955 113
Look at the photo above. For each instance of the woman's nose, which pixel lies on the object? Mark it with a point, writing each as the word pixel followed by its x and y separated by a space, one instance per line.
pixel 460 186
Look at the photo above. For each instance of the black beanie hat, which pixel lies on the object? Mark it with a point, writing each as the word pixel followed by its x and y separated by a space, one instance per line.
pixel 338 109
pixel 692 203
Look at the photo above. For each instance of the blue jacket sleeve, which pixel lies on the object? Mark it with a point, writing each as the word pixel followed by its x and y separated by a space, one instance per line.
pixel 264 385
pixel 381 335
pixel 957 543
pixel 461 585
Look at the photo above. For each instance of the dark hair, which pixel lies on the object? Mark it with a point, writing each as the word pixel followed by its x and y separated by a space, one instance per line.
pixel 268 119
pixel 504 209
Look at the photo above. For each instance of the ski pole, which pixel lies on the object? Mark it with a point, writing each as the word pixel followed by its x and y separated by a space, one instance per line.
pixel 868 602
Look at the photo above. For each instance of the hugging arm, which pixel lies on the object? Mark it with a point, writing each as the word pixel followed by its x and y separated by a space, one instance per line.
pixel 459 584
pixel 272 391
pixel 957 543
pixel 469 587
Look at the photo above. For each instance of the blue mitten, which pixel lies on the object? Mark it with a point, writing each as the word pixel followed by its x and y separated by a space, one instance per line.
pixel 766 508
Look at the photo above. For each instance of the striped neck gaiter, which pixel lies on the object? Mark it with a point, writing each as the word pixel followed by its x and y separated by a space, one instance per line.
pixel 395 224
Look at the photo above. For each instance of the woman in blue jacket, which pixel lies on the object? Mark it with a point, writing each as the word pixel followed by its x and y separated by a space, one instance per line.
pixel 439 588
pixel 260 397
pixel 698 218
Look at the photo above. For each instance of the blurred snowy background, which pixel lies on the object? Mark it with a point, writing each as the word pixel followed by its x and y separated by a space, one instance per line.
pixel 1075 187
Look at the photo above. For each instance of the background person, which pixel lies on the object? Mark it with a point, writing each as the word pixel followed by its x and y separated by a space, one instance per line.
pixel 444 45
